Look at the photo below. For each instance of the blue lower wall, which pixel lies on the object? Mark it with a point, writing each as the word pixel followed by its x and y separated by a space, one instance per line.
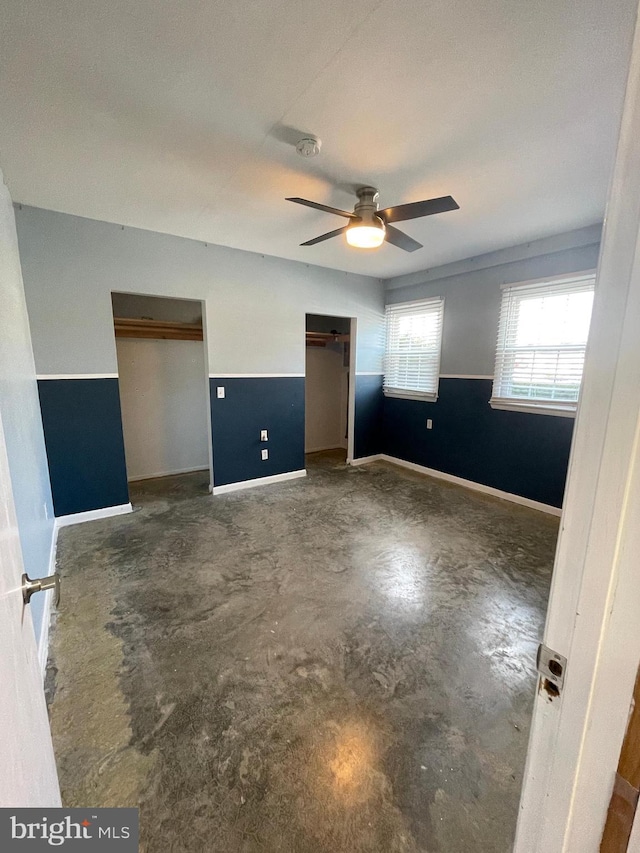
pixel 277 404
pixel 524 454
pixel 369 416
pixel 85 449
pixel 250 405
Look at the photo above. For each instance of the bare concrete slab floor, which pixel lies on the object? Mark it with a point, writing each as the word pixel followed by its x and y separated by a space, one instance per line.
pixel 337 664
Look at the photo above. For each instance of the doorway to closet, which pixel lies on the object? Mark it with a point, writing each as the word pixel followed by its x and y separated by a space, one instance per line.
pixel 327 378
pixel 164 395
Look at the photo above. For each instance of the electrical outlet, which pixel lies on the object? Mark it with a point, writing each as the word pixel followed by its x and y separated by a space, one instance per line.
pixel 429 423
pixel 220 392
pixel 264 435
pixel 265 454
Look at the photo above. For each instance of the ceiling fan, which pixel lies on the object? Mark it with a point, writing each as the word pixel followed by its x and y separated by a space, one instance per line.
pixel 369 227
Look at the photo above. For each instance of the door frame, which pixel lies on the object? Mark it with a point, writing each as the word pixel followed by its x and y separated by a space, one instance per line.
pixel 351 400
pixel 594 607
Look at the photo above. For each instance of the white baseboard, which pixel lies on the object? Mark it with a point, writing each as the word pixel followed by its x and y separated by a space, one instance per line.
pixel 323 449
pixel 259 481
pixel 364 460
pixel 460 481
pixel 93 515
pixel 137 479
pixel 43 639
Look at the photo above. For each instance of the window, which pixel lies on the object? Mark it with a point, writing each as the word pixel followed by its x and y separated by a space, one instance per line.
pixel 542 338
pixel 412 354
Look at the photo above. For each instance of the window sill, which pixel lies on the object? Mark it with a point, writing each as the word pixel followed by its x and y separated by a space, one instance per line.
pixel 530 408
pixel 411 395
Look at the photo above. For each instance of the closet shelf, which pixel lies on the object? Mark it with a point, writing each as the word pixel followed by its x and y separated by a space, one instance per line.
pixel 321 339
pixel 161 329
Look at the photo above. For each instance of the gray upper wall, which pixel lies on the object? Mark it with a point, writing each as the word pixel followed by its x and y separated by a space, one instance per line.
pixel 255 305
pixel 472 293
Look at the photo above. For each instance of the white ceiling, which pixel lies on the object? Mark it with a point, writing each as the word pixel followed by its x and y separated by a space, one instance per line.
pixel 179 116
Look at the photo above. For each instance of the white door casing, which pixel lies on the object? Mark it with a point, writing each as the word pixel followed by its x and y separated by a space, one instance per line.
pixel 594 609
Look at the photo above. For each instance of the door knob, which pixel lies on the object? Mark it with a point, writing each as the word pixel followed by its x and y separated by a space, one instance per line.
pixel 40 585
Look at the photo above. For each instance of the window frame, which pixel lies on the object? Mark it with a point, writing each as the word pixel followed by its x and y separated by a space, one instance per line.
pixel 560 408
pixel 411 394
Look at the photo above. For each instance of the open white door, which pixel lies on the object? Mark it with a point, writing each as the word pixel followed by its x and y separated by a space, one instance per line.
pixel 27 766
pixel 594 610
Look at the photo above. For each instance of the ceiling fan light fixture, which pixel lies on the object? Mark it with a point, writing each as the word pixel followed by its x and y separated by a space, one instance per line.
pixel 368 226
pixel 364 235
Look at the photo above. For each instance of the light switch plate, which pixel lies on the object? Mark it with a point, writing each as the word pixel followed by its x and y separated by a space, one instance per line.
pixel 429 423
pixel 264 435
pixel 265 454
pixel 220 392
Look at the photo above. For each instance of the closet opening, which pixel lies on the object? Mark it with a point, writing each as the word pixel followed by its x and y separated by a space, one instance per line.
pixel 328 391
pixel 164 388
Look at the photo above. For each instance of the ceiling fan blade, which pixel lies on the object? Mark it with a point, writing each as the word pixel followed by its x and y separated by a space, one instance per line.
pixel 416 209
pixel 324 237
pixel 400 239
pixel 324 207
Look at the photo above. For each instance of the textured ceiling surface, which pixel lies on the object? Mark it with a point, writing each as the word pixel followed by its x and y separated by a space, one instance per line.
pixel 182 116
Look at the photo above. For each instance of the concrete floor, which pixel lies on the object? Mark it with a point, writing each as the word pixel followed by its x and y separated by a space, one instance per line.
pixel 337 664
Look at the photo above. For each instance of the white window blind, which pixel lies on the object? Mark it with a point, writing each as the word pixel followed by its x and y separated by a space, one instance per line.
pixel 542 338
pixel 412 353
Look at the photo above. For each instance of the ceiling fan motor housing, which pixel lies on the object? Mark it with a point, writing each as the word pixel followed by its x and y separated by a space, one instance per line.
pixel 367 207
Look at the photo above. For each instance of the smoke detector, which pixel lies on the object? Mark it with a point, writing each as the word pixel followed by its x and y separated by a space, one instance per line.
pixel 309 146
